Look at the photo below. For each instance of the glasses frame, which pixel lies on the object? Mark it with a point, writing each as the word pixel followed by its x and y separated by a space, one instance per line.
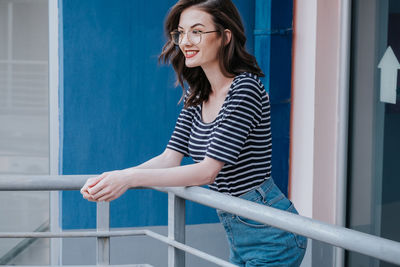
pixel 188 36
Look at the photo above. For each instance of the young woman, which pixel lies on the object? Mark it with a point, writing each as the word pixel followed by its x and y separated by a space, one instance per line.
pixel 224 126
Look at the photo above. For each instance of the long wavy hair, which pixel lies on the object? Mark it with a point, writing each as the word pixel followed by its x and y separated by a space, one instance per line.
pixel 233 57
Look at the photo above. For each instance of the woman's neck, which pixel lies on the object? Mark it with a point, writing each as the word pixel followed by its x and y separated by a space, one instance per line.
pixel 219 82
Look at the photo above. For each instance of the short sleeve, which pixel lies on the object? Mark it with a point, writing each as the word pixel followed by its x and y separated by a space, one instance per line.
pixel 242 114
pixel 179 140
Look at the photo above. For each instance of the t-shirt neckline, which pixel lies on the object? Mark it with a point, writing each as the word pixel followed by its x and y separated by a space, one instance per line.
pixel 222 107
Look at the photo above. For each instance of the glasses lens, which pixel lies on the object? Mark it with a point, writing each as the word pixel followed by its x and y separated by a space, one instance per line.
pixel 175 37
pixel 194 37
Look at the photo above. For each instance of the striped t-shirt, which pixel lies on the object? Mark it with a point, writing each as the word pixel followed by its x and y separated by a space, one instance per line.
pixel 240 136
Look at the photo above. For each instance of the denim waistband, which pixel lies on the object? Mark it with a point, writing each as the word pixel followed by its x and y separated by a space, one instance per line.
pixel 252 195
pixel 262 190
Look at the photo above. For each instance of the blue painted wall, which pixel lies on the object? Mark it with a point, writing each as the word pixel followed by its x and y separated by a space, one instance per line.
pixel 118 105
pixel 273 49
pixel 280 88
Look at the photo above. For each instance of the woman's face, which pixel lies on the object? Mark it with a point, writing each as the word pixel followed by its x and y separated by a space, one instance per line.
pixel 204 53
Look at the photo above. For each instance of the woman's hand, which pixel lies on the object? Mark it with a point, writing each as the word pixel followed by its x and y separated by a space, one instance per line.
pixel 105 187
pixel 111 185
pixel 89 183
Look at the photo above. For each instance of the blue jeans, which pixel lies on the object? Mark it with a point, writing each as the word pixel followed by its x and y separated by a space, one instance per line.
pixel 255 244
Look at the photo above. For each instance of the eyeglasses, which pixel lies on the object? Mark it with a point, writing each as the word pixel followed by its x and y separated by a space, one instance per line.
pixel 194 36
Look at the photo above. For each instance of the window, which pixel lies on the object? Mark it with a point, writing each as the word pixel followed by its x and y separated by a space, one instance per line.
pixel 24 120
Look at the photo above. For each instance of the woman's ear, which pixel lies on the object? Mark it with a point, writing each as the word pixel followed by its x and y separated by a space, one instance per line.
pixel 228 36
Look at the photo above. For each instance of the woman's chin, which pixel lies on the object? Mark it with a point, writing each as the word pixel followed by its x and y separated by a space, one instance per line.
pixel 190 64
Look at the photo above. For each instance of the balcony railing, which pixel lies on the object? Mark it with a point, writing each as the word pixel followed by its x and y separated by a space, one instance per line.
pixel 377 247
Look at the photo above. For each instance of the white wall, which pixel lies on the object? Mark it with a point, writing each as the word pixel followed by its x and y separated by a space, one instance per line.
pixel 302 115
pixel 314 165
pixel 315 108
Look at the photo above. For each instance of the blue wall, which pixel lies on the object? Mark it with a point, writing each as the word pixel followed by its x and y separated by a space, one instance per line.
pixel 118 105
pixel 273 50
pixel 280 88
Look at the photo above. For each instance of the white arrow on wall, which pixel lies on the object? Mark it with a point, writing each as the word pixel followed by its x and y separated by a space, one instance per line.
pixel 389 66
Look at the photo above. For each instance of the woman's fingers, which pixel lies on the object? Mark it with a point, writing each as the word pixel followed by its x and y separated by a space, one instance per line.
pixel 103 193
pixel 86 195
pixel 89 198
pixel 90 183
pixel 109 190
pixel 84 192
pixel 94 180
pixel 106 187
pixel 111 196
pixel 104 198
pixel 97 188
pixel 98 183
pixel 85 186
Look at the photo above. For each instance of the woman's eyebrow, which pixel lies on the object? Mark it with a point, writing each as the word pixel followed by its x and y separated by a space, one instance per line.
pixel 194 25
pixel 197 24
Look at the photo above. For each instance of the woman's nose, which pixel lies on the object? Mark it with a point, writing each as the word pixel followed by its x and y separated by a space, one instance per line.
pixel 185 39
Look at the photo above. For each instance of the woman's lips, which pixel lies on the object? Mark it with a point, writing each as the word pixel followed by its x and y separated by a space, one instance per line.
pixel 191 53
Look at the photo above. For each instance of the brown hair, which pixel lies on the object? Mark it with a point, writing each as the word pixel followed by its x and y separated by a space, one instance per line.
pixel 233 58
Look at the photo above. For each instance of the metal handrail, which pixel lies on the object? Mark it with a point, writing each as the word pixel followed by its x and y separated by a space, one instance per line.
pixel 377 247
pixel 141 232
pixel 24 244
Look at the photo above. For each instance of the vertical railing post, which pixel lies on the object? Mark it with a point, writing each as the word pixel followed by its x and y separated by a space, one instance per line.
pixel 176 229
pixel 103 224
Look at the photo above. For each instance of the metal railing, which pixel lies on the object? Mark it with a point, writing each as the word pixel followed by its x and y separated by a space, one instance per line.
pixel 377 247
pixel 23 245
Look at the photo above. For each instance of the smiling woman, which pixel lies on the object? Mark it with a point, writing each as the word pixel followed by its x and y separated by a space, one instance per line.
pixel 228 27
pixel 224 127
pixel 199 50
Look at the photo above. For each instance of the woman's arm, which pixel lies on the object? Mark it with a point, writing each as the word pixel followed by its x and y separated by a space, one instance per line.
pixel 112 185
pixel 169 158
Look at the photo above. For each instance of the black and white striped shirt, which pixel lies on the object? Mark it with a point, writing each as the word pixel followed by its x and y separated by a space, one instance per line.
pixel 240 136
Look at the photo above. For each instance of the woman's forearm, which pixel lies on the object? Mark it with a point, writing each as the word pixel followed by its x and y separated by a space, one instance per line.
pixel 110 185
pixel 167 159
pixel 188 175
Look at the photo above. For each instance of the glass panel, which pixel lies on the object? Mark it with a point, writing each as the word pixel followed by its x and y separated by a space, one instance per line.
pixel 24 120
pixel 374 170
pixel 390 214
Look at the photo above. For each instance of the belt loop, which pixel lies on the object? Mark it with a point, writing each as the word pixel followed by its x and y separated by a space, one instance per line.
pixel 262 193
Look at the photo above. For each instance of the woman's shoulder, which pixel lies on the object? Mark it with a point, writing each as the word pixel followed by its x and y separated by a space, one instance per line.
pixel 248 82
